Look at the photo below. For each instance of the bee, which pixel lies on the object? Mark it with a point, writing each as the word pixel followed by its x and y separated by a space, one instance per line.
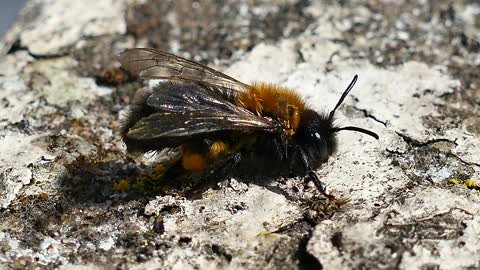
pixel 221 125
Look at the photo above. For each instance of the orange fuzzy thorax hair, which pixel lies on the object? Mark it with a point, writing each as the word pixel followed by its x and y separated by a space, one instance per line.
pixel 274 101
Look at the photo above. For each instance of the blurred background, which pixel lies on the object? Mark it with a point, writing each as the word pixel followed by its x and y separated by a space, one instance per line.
pixel 8 12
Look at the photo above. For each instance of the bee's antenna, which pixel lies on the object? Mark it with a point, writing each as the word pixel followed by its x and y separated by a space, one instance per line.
pixel 344 95
pixel 357 129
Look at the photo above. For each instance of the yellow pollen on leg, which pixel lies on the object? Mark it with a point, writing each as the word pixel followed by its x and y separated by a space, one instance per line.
pixel 217 148
pixel 193 162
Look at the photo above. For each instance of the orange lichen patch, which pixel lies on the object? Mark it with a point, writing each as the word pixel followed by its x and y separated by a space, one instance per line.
pixel 274 101
pixel 217 148
pixel 122 186
pixel 157 172
pixel 140 180
pixel 193 161
pixel 43 196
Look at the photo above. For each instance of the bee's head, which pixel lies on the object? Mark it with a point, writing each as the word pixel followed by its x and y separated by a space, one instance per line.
pixel 315 136
pixel 317 132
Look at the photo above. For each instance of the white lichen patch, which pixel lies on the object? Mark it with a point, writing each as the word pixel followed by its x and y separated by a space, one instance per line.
pixel 229 218
pixel 50 250
pixel 59 84
pixel 17 153
pixel 14 100
pixel 49 32
pixel 15 96
pixel 106 244
pixel 266 63
pixel 430 221
pixel 462 214
pixel 217 217
pixel 403 96
pixel 468 145
pixel 13 247
pixel 12 64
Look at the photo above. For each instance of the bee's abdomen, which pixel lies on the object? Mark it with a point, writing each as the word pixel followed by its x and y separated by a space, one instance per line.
pixel 274 101
pixel 138 110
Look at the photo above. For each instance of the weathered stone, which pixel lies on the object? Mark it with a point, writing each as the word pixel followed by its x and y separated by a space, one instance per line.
pixel 413 201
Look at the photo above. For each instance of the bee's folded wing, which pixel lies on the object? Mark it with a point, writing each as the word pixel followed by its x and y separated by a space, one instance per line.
pixel 156 64
pixel 185 110
pixel 169 125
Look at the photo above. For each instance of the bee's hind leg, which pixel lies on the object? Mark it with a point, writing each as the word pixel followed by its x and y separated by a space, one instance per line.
pixel 218 171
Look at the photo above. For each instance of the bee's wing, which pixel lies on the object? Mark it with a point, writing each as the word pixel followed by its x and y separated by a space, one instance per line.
pixel 164 125
pixel 156 64
pixel 186 111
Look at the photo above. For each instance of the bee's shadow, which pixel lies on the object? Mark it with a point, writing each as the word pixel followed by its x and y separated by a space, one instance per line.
pixel 91 181
pixel 199 186
pixel 87 181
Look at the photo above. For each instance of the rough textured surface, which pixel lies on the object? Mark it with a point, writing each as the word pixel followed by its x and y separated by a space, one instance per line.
pixel 412 205
pixel 63 24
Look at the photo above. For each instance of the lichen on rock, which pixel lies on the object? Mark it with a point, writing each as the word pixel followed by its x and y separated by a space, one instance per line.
pixel 70 196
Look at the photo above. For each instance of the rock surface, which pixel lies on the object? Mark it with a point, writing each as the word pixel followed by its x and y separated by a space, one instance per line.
pixel 68 196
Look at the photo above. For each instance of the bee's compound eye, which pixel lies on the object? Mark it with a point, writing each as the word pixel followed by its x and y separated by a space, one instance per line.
pixel 317 135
